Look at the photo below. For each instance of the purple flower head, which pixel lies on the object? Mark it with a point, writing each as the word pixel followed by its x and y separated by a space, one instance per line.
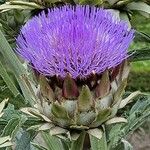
pixel 76 40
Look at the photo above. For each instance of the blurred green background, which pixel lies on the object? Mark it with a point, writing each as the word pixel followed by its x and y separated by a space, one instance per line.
pixel 139 78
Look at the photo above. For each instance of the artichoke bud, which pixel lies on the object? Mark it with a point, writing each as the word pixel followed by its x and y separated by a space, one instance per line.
pixel 79 57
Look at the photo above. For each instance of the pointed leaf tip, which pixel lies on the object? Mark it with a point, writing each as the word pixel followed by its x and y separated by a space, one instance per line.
pixel 98 133
pixel 103 87
pixel 85 101
pixel 45 89
pixel 59 111
pixel 70 89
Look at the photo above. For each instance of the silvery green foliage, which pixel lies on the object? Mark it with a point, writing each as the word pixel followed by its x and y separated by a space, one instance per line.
pixel 15 124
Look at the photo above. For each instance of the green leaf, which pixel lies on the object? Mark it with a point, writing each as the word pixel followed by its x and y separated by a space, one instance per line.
pixel 142 37
pixel 38 147
pixel 52 142
pixel 17 68
pixel 23 140
pixel 113 134
pixel 2 104
pixel 98 133
pixel 8 80
pixel 19 5
pixel 57 131
pixel 78 144
pixel 4 139
pixel 59 111
pixel 103 87
pixel 127 145
pixel 70 89
pixel 91 2
pixel 129 99
pixel 10 127
pixel 139 55
pixel 6 144
pixel 102 116
pixel 112 1
pixel 138 114
pixel 85 100
pixel 116 120
pixel 18 100
pixel 98 144
pixel 139 6
pixel 124 16
pixel 10 113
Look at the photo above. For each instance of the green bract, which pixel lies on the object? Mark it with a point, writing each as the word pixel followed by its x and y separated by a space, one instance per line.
pixel 66 105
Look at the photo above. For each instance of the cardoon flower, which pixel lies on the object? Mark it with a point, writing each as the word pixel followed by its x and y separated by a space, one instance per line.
pixel 77 41
pixel 80 54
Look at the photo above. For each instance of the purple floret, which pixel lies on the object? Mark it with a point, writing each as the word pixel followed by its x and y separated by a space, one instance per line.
pixel 76 40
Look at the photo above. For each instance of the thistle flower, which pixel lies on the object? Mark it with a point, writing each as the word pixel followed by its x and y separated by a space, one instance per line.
pixel 76 40
pixel 80 53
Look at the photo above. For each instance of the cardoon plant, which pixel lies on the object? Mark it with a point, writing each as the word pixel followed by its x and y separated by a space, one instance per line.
pixel 79 57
